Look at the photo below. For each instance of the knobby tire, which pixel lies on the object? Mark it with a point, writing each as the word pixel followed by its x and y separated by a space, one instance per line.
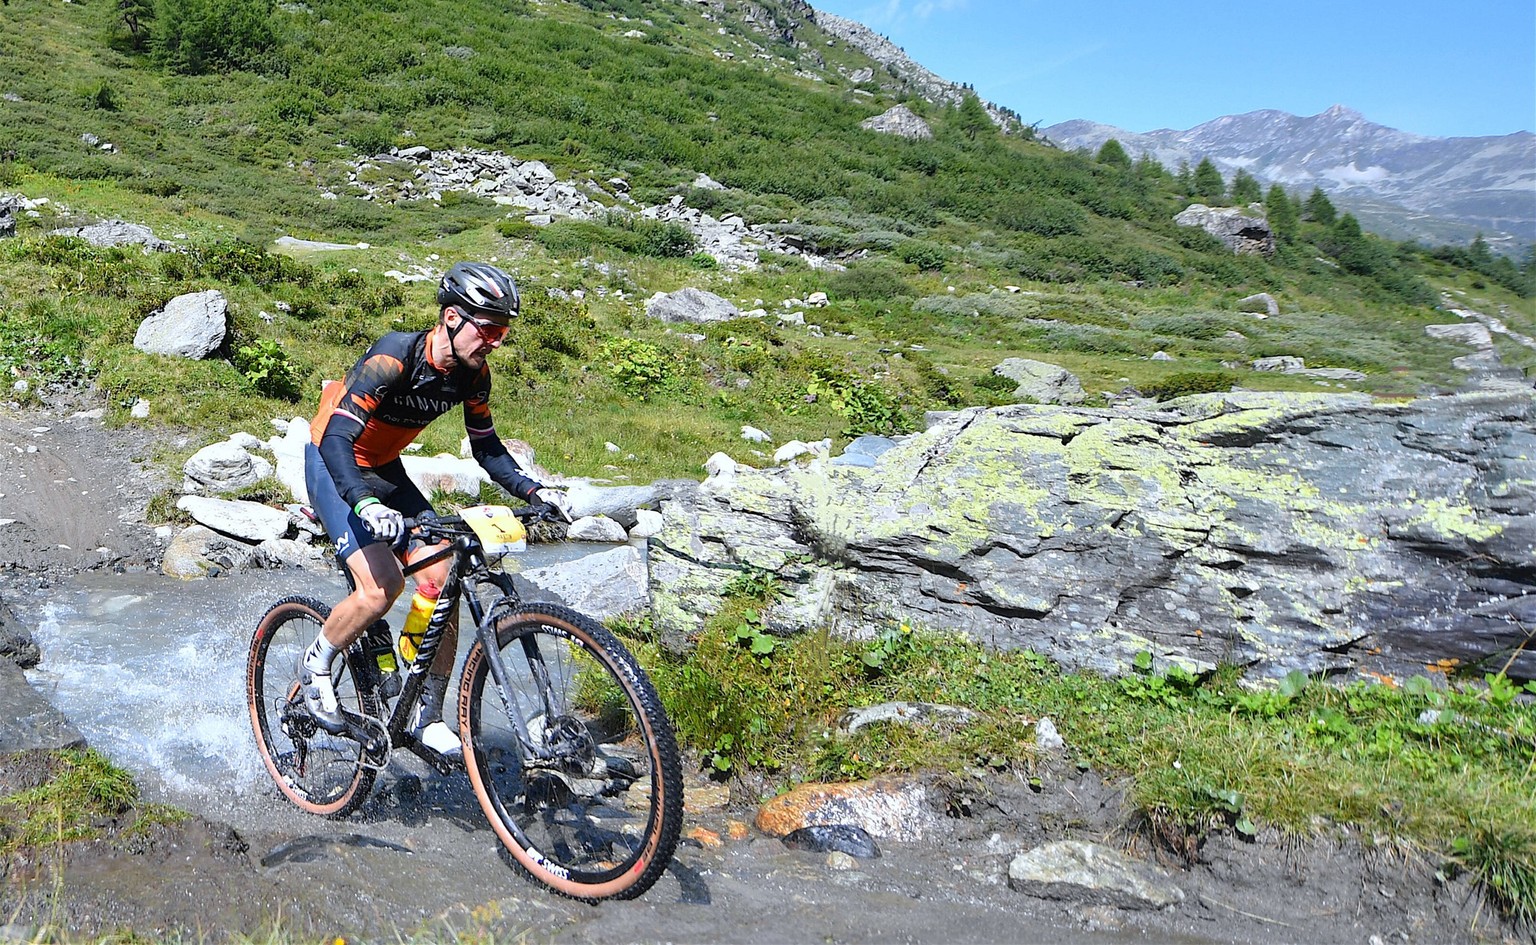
pixel 602 820
pixel 333 779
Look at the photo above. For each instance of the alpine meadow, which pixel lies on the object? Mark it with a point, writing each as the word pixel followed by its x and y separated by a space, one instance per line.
pixel 892 272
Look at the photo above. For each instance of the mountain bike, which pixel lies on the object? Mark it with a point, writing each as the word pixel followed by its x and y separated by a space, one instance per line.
pixel 564 739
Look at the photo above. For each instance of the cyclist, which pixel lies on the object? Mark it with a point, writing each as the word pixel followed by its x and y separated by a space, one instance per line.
pixel 361 493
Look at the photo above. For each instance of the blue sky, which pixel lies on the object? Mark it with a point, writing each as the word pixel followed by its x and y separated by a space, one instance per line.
pixel 1432 68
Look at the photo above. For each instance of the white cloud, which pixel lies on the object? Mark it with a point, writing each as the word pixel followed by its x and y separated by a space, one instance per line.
pixel 895 12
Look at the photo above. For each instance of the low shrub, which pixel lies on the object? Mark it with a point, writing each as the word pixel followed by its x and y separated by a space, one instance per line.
pixel 872 280
pixel 1180 383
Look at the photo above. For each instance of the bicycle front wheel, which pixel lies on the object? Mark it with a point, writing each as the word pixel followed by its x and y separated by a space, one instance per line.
pixel 591 803
pixel 321 773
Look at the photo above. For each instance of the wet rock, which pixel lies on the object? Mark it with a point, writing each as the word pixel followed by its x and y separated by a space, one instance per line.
pixel 840 861
pixel 602 585
pixel 1088 872
pixel 597 528
pixel 16 643
pixel 886 808
pixel 833 838
pixel 28 720
pixel 279 553
pixel 199 551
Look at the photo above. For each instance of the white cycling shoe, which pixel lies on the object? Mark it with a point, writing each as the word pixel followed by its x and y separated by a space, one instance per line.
pixel 441 739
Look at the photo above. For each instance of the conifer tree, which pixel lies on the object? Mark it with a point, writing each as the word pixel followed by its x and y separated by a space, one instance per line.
pixel 1113 153
pixel 1209 185
pixel 1319 209
pixel 1281 212
pixel 1245 189
pixel 1185 180
pixel 974 119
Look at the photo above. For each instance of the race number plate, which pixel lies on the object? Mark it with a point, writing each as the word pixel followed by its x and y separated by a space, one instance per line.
pixel 498 529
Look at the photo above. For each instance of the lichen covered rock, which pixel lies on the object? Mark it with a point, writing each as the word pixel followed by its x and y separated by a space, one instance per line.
pixel 1285 531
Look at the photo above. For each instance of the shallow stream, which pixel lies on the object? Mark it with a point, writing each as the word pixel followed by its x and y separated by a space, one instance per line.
pixel 151 669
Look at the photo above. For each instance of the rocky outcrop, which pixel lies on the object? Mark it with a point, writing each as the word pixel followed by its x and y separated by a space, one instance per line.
pixel 907 72
pixel 117 233
pixel 531 190
pixel 1281 531
pixel 690 306
pixel 190 326
pixel 898 120
pixel 1041 382
pixel 1244 231
pixel 1091 872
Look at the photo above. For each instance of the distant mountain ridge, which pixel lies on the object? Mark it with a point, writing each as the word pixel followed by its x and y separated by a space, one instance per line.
pixel 1399 184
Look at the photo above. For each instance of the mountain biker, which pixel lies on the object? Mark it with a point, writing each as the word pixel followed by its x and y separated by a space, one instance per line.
pixel 361 493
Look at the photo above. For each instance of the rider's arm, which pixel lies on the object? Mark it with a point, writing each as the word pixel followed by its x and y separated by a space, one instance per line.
pixel 366 384
pixel 490 452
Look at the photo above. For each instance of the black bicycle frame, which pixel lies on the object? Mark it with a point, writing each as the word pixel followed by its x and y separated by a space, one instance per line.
pixel 454 589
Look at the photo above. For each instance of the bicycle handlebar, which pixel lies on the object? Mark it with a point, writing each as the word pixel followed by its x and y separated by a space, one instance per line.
pixel 449 525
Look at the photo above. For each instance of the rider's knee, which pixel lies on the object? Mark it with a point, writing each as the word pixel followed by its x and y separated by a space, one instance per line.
pixel 380 598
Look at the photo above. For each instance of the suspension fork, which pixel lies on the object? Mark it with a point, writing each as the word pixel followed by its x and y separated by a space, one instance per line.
pixel 511 701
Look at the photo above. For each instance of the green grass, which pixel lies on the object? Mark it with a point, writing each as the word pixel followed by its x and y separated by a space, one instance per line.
pixel 80 796
pixel 1442 768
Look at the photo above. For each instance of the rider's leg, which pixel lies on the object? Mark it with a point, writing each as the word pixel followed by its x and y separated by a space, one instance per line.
pixel 379 580
pixel 427 721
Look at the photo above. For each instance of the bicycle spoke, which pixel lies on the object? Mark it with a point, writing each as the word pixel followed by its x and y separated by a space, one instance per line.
pixel 582 813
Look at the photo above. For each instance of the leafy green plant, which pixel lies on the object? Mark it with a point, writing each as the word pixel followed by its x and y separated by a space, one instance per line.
pixel 269 370
pixel 752 634
pixel 639 367
pixel 867 408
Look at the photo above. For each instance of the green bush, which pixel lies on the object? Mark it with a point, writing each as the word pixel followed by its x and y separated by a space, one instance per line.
pixel 268 369
pixel 872 280
pixel 517 229
pixel 100 94
pixel 197 36
pixel 923 254
pixel 1180 383
pixel 639 368
pixel 1041 214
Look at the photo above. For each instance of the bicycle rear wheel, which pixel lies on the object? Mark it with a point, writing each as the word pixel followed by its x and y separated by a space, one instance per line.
pixel 598 817
pixel 321 773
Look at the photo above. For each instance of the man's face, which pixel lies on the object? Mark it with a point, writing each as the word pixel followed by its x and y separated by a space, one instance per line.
pixel 478 337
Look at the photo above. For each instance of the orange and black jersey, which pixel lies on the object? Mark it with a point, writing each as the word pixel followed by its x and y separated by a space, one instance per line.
pixel 388 398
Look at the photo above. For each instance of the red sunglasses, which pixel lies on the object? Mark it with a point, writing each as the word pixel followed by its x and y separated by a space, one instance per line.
pixel 489 330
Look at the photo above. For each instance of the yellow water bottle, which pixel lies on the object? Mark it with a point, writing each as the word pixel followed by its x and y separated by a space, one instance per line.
pixel 416 625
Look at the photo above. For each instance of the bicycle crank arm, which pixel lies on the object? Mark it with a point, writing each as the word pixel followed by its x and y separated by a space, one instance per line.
pixel 366 732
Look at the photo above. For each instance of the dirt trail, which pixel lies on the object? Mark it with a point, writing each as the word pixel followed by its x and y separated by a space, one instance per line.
pixel 419 858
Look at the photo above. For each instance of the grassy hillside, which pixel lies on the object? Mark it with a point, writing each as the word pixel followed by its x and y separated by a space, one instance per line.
pixel 227 138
